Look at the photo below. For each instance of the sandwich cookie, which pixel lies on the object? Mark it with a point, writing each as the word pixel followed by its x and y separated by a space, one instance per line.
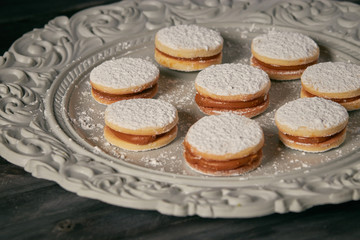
pixel 140 124
pixel 284 55
pixel 236 88
pixel 124 78
pixel 222 145
pixel 339 82
pixel 188 47
pixel 312 124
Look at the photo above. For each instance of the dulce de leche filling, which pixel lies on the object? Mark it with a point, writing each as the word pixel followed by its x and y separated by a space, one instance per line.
pixel 263 65
pixel 312 140
pixel 147 93
pixel 140 139
pixel 338 100
pixel 196 59
pixel 212 103
pixel 215 165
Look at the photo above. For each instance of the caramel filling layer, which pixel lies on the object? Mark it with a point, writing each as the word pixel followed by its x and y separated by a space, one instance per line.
pixel 278 67
pixel 212 103
pixel 147 93
pixel 312 140
pixel 197 59
pixel 338 100
pixel 215 165
pixel 140 139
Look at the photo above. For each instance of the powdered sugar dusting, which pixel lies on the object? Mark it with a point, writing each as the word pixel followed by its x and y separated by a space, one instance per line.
pixel 189 37
pixel 232 79
pixel 284 45
pixel 141 113
pixel 312 113
pixel 223 134
pixel 124 73
pixel 332 77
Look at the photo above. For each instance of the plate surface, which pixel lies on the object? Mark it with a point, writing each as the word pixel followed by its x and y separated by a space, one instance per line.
pixel 51 126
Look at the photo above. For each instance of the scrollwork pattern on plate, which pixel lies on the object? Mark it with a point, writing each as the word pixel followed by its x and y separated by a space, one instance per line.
pixel 337 19
pixel 32 63
pixel 17 104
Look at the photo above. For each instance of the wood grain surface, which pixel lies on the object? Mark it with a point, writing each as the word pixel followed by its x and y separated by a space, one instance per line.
pixel 32 208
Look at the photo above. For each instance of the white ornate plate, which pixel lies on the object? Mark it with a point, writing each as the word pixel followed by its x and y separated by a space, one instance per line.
pixel 51 126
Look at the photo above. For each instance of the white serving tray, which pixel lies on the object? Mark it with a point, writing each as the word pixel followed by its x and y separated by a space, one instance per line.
pixel 51 126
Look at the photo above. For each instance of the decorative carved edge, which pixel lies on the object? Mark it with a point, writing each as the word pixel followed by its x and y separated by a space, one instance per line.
pixel 29 68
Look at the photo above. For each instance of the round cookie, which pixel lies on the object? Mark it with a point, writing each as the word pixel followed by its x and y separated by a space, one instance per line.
pixel 236 88
pixel 339 82
pixel 124 78
pixel 312 124
pixel 140 124
pixel 284 55
pixel 188 47
pixel 226 144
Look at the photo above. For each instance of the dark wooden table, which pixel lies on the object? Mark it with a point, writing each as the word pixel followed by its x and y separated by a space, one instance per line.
pixel 32 208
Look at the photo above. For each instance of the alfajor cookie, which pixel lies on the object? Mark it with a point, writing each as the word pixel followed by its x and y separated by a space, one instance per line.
pixel 188 47
pixel 222 145
pixel 339 82
pixel 140 124
pixel 236 88
pixel 284 55
pixel 124 78
pixel 312 124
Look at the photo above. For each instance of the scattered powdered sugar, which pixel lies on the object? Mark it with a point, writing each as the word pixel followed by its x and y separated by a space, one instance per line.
pixel 313 113
pixel 232 79
pixel 284 45
pixel 223 134
pixel 124 73
pixel 189 37
pixel 141 113
pixel 153 162
pixel 332 77
pixel 85 122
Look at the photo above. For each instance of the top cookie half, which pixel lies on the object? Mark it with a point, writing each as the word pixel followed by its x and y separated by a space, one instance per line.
pixel 285 48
